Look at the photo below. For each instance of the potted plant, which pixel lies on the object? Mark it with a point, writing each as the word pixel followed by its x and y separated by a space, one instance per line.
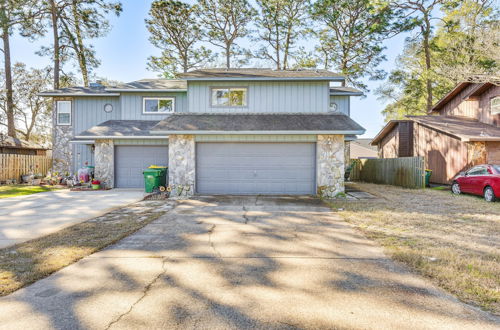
pixel 96 184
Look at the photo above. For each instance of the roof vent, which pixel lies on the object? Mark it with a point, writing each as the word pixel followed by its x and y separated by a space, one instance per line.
pixel 97 84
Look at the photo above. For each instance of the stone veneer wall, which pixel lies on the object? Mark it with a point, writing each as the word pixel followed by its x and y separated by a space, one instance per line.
pixel 181 165
pixel 104 159
pixel 330 165
pixel 62 150
pixel 476 153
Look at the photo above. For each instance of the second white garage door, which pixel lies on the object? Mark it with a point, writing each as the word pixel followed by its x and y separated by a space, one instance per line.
pixel 130 161
pixel 255 168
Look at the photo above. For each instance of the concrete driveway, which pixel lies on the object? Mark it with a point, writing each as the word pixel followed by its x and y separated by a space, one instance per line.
pixel 240 263
pixel 26 217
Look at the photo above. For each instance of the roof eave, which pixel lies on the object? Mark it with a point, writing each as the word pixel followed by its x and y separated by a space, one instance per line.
pixel 264 78
pixel 43 94
pixel 100 137
pixel 347 93
pixel 285 132
pixel 125 90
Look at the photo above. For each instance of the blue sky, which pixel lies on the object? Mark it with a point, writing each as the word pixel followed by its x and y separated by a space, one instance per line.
pixel 124 52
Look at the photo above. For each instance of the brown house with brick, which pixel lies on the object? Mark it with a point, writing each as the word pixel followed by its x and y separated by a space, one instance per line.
pixel 462 129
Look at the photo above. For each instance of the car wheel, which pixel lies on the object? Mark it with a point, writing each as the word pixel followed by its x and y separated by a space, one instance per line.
pixel 455 188
pixel 489 195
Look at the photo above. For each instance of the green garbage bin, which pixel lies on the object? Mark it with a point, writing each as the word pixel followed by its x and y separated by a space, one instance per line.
pixel 428 174
pixel 154 178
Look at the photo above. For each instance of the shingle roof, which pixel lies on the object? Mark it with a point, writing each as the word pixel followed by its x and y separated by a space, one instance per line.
pixel 263 74
pixel 119 128
pixel 340 90
pixel 10 142
pixel 153 84
pixel 365 143
pixel 465 129
pixel 261 123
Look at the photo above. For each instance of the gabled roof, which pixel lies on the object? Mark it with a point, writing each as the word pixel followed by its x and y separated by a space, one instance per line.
pixel 386 129
pixel 349 91
pixel 10 142
pixel 478 90
pixel 365 143
pixel 465 129
pixel 119 129
pixel 257 124
pixel 260 74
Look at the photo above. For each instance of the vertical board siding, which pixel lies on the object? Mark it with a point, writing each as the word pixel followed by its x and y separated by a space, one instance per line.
pixel 445 155
pixel 460 106
pixel 408 172
pixel 264 96
pixel 132 103
pixel 255 138
pixel 83 155
pixel 13 166
pixel 485 115
pixel 342 103
pixel 89 111
pixel 493 152
pixel 389 145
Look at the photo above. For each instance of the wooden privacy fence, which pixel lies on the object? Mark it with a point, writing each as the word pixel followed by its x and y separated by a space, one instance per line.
pixel 406 172
pixel 13 166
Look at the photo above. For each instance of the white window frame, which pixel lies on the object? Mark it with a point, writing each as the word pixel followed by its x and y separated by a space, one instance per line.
pixel 497 111
pixel 144 99
pixel 212 105
pixel 70 113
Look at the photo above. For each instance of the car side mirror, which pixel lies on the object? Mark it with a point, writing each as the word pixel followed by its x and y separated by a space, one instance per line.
pixel 463 174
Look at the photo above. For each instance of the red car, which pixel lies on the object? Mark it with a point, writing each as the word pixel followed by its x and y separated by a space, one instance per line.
pixel 482 180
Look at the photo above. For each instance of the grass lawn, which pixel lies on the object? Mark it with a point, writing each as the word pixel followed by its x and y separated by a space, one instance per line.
pixel 25 263
pixel 20 190
pixel 453 240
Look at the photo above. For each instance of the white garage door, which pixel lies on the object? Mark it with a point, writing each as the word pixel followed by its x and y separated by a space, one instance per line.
pixel 255 168
pixel 130 161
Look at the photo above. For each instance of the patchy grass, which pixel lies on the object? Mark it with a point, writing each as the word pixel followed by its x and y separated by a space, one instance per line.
pixel 453 240
pixel 28 262
pixel 21 190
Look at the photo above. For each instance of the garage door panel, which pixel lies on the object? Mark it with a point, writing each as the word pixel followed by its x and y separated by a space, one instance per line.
pixel 255 168
pixel 130 161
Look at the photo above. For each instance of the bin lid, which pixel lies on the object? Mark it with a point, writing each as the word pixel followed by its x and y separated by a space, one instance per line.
pixel 157 167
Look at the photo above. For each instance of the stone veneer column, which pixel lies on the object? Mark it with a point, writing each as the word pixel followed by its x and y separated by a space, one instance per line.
pixel 330 165
pixel 181 165
pixel 62 151
pixel 104 159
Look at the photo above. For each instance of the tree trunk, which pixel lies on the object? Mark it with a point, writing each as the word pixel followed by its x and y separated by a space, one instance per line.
pixel 55 32
pixel 228 56
pixel 426 30
pixel 11 123
pixel 80 48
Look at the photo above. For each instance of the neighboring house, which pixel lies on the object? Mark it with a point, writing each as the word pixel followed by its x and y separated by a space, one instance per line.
pixel 462 130
pixel 10 145
pixel 237 131
pixel 362 149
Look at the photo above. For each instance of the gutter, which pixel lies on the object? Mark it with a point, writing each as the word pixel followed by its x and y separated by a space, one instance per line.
pixel 76 94
pixel 117 137
pixel 159 132
pixel 264 79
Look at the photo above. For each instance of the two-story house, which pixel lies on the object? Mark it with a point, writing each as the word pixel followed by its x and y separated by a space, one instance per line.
pixel 237 131
pixel 462 130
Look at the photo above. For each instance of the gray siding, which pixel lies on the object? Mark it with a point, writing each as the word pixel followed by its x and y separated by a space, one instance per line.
pixel 265 96
pixel 82 155
pixel 131 104
pixel 342 103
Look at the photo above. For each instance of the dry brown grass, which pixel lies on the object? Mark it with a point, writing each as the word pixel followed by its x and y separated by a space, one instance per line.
pixel 28 262
pixel 453 240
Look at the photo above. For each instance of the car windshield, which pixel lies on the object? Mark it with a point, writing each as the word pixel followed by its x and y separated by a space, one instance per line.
pixel 496 168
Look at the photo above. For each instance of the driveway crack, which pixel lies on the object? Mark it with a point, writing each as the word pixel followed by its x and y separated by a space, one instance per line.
pixel 212 245
pixel 145 292
pixel 245 215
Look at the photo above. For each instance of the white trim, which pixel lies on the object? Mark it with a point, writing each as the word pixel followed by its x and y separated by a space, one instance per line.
pixel 82 141
pixel 229 88
pixel 265 78
pixel 147 90
pixel 70 113
pixel 156 137
pixel 171 98
pixel 260 132
pixel 76 94
pixel 495 98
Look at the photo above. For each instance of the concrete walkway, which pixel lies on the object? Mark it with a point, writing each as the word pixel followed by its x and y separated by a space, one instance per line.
pixel 239 263
pixel 26 217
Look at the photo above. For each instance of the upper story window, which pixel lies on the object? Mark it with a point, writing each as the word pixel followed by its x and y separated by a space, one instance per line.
pixel 229 97
pixel 495 105
pixel 63 112
pixel 158 105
